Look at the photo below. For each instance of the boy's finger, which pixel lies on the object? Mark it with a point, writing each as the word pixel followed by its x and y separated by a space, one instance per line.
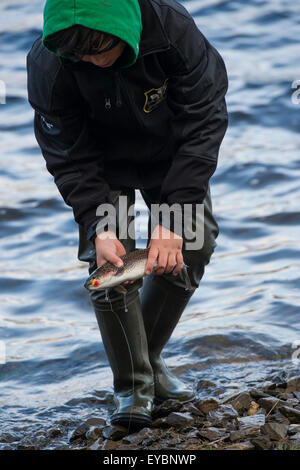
pixel 178 267
pixel 161 264
pixel 114 259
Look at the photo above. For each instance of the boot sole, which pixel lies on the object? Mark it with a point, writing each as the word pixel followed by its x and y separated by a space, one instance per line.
pixel 132 420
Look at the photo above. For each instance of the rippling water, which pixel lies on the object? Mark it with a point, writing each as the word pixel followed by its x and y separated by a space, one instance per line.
pixel 241 325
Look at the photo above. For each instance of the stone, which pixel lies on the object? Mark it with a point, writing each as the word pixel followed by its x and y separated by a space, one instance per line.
pixel 262 443
pixel 286 396
pixel 252 421
pixel 244 433
pixel 28 447
pixel 97 445
pixel 293 429
pixel 79 433
pixel 275 431
pixel 114 433
pixel 204 384
pixel 138 437
pixel 166 408
pixel 179 419
pixel 111 445
pixel 247 445
pixel 191 408
pixel 278 380
pixel 270 403
pixel 258 394
pixel 295 437
pixel 241 402
pixel 222 415
pixel 205 406
pixel 292 402
pixel 294 384
pixel 161 423
pixel 55 432
pixel 297 395
pixel 277 418
pixel 212 434
pixel 94 433
pixel 292 414
pixel 99 422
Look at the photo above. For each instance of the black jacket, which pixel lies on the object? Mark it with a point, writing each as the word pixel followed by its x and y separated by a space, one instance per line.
pixel 159 122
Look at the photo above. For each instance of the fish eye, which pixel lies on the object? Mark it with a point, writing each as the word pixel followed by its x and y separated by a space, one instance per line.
pixel 95 283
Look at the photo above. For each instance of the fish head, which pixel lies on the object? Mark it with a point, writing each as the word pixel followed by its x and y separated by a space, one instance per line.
pixel 100 279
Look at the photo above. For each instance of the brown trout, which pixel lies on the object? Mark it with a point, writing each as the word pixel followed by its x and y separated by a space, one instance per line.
pixel 110 276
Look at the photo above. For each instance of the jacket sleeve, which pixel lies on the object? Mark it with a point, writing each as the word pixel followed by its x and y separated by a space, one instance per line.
pixel 69 145
pixel 196 94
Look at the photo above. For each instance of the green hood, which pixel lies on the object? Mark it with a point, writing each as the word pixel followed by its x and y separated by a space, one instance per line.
pixel 122 18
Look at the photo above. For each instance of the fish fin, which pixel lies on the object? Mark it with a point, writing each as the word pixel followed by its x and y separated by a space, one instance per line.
pixel 121 289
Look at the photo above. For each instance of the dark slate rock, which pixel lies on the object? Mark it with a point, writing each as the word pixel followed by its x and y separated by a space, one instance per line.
pixel 191 408
pixel 244 433
pixel 98 422
pixel 94 433
pixel 241 402
pixel 166 407
pixel 179 419
pixel 222 415
pixel 97 445
pixel 270 403
pixel 262 443
pixel 114 433
pixel 212 434
pixel 294 384
pixel 55 432
pixel 258 394
pixel 246 445
pixel 110 445
pixel 275 431
pixel 138 437
pixel 205 406
pixel 252 421
pixel 293 429
pixel 79 433
pixel 290 413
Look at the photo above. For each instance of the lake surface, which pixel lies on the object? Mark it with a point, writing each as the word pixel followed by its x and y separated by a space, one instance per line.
pixel 242 325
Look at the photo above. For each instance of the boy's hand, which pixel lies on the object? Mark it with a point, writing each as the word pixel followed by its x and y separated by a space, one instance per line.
pixel 165 247
pixel 109 248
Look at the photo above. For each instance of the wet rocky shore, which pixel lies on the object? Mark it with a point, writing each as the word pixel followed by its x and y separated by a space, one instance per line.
pixel 257 419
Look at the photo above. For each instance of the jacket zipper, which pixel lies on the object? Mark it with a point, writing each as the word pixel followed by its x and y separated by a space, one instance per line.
pixel 155 51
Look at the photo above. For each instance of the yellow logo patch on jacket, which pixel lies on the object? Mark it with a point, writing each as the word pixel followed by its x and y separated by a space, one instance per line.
pixel 154 97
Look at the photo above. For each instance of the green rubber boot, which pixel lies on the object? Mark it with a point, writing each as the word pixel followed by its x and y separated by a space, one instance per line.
pixel 125 342
pixel 162 306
